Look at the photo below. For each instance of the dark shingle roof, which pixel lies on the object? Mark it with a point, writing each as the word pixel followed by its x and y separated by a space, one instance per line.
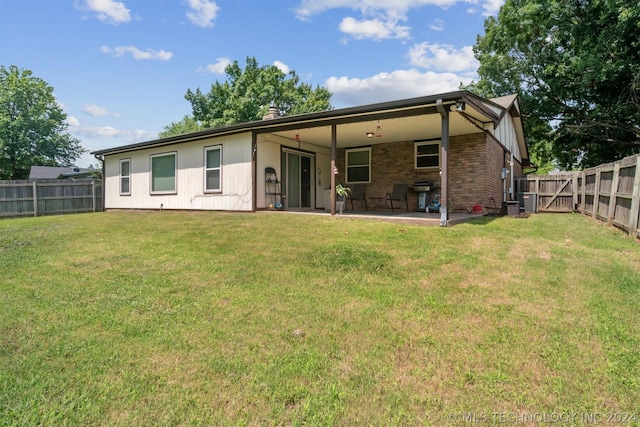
pixel 54 172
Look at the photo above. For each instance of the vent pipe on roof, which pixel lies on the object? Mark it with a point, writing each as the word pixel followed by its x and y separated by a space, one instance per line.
pixel 273 114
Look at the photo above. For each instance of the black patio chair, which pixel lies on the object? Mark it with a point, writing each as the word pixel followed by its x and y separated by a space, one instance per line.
pixel 398 195
pixel 359 193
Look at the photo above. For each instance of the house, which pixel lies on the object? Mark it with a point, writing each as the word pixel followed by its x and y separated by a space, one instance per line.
pixel 56 172
pixel 469 148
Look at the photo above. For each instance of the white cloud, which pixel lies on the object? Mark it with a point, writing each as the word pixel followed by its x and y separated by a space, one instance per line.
pixel 437 25
pixel 97 111
pixel 492 7
pixel 202 12
pixel 72 121
pixel 111 11
pixel 380 18
pixel 375 29
pixel 282 66
pixel 443 57
pixel 126 136
pixel 120 51
pixel 219 67
pixel 389 86
pixel 308 8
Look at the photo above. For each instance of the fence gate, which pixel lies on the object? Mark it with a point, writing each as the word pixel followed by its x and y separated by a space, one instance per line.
pixel 555 193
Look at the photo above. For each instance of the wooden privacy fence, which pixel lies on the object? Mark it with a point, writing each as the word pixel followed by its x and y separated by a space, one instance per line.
pixel 609 192
pixel 34 198
pixel 553 193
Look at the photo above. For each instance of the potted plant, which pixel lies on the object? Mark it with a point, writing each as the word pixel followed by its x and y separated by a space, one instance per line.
pixel 342 192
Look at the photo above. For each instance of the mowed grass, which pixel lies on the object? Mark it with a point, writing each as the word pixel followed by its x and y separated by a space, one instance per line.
pixel 205 318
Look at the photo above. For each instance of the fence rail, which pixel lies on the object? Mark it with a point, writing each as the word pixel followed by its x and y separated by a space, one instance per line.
pixel 34 198
pixel 609 192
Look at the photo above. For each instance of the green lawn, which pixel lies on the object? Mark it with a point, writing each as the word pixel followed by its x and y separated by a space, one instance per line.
pixel 208 318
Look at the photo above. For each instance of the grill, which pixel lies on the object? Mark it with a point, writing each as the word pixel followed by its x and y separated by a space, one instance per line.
pixel 422 188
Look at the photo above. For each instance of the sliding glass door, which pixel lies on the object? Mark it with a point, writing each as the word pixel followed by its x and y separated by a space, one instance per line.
pixel 297 178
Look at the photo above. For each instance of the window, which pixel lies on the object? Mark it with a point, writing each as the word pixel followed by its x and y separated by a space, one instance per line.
pixel 213 169
pixel 163 173
pixel 125 177
pixel 427 154
pixel 358 165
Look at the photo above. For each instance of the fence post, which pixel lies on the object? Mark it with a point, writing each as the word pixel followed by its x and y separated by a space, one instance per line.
pixel 574 190
pixel 35 199
pixel 583 204
pixel 614 192
pixel 596 194
pixel 93 195
pixel 635 201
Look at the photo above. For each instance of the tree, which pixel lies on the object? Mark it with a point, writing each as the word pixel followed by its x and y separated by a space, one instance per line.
pixel 186 125
pixel 247 94
pixel 32 126
pixel 576 66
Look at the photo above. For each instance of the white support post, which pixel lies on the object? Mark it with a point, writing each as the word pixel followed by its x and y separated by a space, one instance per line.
pixel 444 163
pixel 334 166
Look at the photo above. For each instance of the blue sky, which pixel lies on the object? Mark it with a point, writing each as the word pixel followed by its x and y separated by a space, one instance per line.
pixel 120 68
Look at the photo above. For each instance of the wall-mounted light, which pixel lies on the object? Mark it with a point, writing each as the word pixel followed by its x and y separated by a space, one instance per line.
pixel 370 134
pixel 458 106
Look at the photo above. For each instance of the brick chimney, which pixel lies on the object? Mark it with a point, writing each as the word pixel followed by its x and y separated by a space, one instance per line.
pixel 273 114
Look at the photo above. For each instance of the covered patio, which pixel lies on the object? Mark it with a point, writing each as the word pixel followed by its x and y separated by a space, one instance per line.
pixel 439 139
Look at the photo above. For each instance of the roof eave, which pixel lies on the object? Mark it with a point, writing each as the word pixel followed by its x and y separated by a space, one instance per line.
pixel 288 120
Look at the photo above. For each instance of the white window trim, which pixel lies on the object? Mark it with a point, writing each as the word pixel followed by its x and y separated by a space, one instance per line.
pixel 346 164
pixel 426 142
pixel 206 150
pixel 175 173
pixel 128 193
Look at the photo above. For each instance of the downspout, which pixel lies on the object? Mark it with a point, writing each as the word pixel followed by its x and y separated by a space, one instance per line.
pixel 444 164
pixel 254 150
pixel 512 189
pixel 334 169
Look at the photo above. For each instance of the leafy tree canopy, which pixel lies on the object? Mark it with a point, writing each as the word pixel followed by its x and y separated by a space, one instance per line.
pixel 576 66
pixel 32 126
pixel 247 94
pixel 186 125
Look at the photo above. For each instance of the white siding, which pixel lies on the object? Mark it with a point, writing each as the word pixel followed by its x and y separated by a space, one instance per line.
pixel 269 155
pixel 506 134
pixel 236 192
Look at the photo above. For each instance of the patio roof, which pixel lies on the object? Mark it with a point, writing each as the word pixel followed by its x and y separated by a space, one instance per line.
pixel 409 119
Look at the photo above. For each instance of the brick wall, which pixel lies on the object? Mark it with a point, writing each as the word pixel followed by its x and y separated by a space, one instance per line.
pixel 391 163
pixel 467 174
pixel 469 156
pixel 496 160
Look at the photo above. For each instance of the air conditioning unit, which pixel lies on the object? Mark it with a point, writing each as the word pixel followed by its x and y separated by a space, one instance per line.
pixel 529 201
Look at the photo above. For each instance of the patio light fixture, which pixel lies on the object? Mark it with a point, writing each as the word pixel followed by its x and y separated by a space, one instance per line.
pixel 377 133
